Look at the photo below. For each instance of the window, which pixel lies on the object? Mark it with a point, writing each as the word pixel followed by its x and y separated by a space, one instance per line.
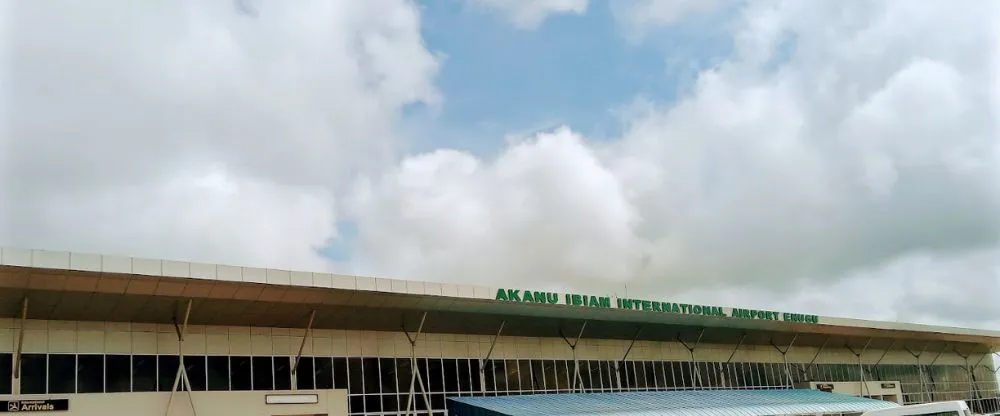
pixel 62 373
pixel 450 369
pixel 144 373
pixel 195 368
pixel 305 373
pixel 90 373
pixel 387 375
pixel 263 373
pixel 355 380
pixel 403 374
pixel 167 366
pixel 217 369
pixel 370 373
pixel 6 369
pixel 240 376
pixel 324 372
pixel 340 373
pixel 117 373
pixel 34 373
pixel 282 373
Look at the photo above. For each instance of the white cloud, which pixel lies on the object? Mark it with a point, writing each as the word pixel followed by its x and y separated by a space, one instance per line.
pixel 119 111
pixel 865 159
pixel 530 14
pixel 856 172
pixel 638 17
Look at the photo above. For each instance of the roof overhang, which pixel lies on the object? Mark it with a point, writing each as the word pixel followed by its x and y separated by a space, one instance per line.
pixel 57 294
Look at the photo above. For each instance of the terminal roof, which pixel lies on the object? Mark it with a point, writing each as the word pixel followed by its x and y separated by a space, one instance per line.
pixel 669 403
pixel 74 286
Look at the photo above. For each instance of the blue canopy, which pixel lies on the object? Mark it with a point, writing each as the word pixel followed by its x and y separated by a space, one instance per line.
pixel 667 403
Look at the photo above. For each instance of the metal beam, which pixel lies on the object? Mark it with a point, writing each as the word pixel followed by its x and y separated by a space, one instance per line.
pixel 818 352
pixel 302 346
pixel 181 379
pixel 784 355
pixel 482 361
pixel 691 348
pixel 738 345
pixel 414 370
pixel 630 344
pixel 861 369
pixel 20 347
pixel 577 377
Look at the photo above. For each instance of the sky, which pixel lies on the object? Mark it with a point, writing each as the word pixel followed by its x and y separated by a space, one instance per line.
pixel 828 157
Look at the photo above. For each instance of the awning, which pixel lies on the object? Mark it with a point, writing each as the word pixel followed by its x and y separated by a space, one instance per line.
pixel 668 403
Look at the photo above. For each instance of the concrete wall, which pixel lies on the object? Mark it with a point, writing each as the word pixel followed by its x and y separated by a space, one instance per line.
pixel 136 338
pixel 242 403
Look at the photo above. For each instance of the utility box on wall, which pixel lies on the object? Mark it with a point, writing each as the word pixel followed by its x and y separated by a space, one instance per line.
pixel 881 390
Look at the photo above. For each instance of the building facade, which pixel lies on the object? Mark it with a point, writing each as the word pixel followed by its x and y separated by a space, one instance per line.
pixel 77 327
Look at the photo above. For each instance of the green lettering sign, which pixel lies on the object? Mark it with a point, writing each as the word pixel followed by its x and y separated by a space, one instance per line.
pixel 589 301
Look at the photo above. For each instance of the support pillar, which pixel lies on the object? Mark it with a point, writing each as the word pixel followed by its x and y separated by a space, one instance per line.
pixel 415 376
pixel 618 377
pixel 971 369
pixel 861 369
pixel 482 361
pixel 695 372
pixel 784 357
pixel 181 379
pixel 726 381
pixel 930 375
pixel 16 383
pixel 812 362
pixel 298 356
pixel 878 374
pixel 920 369
pixel 577 378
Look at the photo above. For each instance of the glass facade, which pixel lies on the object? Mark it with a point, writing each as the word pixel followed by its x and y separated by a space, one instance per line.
pixel 380 385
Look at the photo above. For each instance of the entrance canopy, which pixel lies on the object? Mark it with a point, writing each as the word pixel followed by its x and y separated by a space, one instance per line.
pixel 668 403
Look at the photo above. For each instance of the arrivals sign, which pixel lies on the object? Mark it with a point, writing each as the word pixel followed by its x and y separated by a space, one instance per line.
pixel 17 406
pixel 588 301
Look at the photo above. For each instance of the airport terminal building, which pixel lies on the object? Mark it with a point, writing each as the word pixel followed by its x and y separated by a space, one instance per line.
pixel 86 334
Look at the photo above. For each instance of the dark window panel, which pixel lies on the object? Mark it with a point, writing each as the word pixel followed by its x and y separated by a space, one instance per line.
pixel 263 373
pixel 356 404
pixel 355 376
pixel 387 369
pixel 390 403
pixel 373 403
pixel 474 368
pixel 437 401
pixel 240 376
pixel 450 368
pixel 217 372
pixel 464 375
pixel 168 365
pixel 538 374
pixel 608 375
pixel 90 373
pixel 524 375
pixel 370 373
pixel 324 372
pixel 144 373
pixel 499 368
pixel 403 374
pixel 34 375
pixel 196 370
pixel 6 370
pixel 305 373
pixel 562 374
pixel 340 376
pixel 435 374
pixel 62 373
pixel 117 373
pixel 282 373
